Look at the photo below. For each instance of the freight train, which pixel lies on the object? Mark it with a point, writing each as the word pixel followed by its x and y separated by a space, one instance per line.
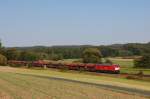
pixel 71 66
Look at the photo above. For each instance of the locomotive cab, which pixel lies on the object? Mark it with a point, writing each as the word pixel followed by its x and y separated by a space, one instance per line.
pixel 116 68
pixel 107 68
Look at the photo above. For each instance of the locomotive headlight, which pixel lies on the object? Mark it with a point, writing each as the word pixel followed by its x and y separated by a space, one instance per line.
pixel 117 68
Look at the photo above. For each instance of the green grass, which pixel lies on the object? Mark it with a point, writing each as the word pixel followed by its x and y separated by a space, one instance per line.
pixel 70 60
pixel 18 86
pixel 127 66
pixel 135 71
pixel 124 63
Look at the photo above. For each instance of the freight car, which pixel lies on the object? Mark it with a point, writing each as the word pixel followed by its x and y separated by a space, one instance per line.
pixel 71 66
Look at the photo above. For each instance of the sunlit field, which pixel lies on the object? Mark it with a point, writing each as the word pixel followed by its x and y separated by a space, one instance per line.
pixel 19 83
pixel 127 66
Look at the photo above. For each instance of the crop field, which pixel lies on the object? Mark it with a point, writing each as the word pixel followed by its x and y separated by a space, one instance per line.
pixel 20 83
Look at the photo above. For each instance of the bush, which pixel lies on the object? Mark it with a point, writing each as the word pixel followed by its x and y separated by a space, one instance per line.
pixel 143 62
pixel 108 61
pixel 140 73
pixel 63 68
pixel 132 77
pixel 15 65
pixel 3 60
pixel 138 76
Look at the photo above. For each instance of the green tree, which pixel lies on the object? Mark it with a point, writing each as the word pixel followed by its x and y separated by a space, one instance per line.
pixel 42 56
pixel 12 54
pixel 0 44
pixel 3 60
pixel 125 53
pixel 92 55
pixel 108 51
pixel 1 47
pixel 144 62
pixel 134 48
pixel 29 56
pixel 56 57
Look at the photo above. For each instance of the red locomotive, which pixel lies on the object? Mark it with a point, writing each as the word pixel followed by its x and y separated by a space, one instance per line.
pixel 72 66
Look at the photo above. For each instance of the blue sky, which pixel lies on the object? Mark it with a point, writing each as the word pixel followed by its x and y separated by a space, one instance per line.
pixel 73 22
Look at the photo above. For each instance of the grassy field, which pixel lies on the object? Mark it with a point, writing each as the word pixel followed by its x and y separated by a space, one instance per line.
pixel 14 85
pixel 124 63
pixel 127 66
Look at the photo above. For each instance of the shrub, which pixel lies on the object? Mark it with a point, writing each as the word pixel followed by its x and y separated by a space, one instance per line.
pixel 143 62
pixel 63 68
pixel 132 77
pixel 3 60
pixel 140 74
pixel 108 61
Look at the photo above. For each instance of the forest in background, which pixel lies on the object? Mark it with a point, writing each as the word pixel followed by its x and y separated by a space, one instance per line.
pixel 73 52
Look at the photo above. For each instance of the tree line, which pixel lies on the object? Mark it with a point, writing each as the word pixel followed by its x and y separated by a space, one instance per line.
pixel 73 52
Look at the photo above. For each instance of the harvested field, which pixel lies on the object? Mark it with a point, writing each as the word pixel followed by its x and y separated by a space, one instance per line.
pixel 16 86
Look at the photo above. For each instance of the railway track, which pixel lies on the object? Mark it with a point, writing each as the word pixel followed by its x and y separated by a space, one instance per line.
pixel 124 75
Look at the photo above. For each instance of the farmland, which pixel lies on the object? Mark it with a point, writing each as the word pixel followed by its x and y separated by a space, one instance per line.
pixel 127 66
pixel 20 83
pixel 74 49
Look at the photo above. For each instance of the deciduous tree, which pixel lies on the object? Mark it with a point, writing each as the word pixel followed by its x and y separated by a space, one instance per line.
pixel 92 55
